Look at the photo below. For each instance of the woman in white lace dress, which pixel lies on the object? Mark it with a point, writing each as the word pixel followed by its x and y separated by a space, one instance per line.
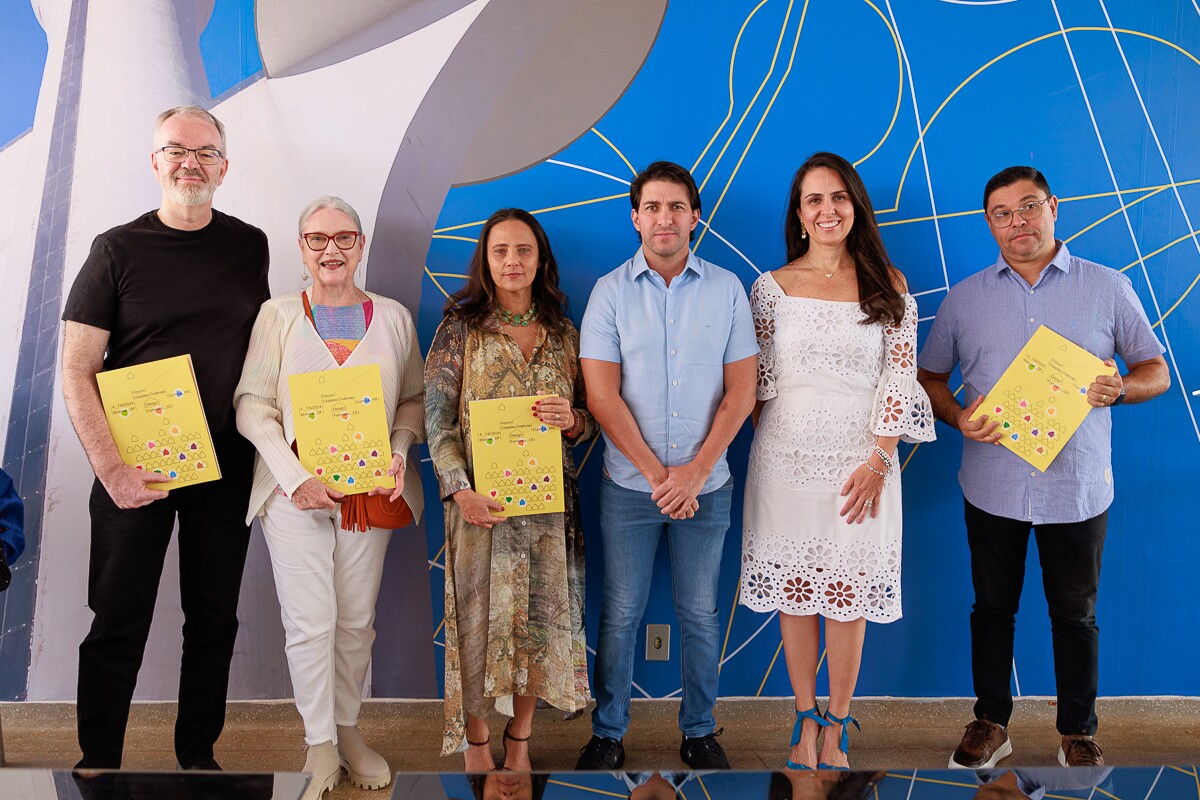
pixel 837 390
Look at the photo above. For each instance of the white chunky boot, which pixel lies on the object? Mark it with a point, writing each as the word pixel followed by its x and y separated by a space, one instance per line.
pixel 325 767
pixel 366 768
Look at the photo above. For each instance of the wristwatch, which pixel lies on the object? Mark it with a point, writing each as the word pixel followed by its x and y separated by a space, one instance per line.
pixel 1118 399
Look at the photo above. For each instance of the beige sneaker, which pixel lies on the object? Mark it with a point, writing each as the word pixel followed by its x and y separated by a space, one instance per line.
pixel 1080 751
pixel 326 770
pixel 366 768
pixel 983 744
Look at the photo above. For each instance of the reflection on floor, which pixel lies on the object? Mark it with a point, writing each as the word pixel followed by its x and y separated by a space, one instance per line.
pixel 897 735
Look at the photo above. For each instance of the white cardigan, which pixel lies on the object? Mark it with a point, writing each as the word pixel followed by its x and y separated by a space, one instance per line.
pixel 285 343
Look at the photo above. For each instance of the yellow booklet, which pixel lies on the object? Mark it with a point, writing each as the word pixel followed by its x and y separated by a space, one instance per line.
pixel 341 427
pixel 517 459
pixel 157 421
pixel 1041 399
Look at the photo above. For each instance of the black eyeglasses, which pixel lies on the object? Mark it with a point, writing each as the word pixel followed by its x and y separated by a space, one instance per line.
pixel 204 155
pixel 319 241
pixel 1031 210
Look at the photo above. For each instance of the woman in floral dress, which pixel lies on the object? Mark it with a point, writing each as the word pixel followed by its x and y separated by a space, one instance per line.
pixel 514 586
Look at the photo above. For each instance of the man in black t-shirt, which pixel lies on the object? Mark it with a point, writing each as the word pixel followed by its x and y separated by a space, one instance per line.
pixel 182 279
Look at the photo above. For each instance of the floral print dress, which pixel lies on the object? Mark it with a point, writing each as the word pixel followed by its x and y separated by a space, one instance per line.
pixel 514 594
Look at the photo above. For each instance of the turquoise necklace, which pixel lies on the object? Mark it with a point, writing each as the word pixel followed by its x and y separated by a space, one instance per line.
pixel 517 320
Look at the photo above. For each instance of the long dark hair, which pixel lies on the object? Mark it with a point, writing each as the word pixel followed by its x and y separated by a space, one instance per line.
pixel 877 294
pixel 475 300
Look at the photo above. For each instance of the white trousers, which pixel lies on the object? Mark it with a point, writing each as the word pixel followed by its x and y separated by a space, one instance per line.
pixel 328 581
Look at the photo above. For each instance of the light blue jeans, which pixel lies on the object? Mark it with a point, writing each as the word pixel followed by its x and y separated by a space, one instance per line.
pixel 630 528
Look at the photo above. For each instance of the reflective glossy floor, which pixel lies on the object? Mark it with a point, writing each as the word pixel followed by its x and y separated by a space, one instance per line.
pixel 898 736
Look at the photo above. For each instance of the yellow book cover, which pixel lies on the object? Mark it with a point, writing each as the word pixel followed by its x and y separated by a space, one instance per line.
pixel 516 457
pixel 157 421
pixel 341 427
pixel 1041 399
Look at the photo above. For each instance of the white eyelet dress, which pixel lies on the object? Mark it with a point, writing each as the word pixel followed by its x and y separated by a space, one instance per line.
pixel 831 385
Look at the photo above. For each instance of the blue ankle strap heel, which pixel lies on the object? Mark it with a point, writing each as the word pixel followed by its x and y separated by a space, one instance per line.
pixel 814 714
pixel 844 744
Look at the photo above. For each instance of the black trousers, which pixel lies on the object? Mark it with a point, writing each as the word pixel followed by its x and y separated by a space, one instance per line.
pixel 1070 557
pixel 127 553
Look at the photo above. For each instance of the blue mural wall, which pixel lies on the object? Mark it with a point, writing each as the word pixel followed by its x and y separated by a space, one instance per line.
pixel 929 99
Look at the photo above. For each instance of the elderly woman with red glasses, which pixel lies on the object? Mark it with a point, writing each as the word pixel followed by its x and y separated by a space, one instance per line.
pixel 327 549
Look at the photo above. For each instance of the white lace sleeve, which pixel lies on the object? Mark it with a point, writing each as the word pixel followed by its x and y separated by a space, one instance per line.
pixel 901 405
pixel 762 308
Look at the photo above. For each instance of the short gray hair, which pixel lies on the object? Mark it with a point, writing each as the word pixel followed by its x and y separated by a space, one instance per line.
pixel 329 201
pixel 193 112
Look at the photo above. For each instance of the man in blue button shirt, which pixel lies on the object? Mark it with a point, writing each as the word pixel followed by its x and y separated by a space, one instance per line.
pixel 669 359
pixel 983 323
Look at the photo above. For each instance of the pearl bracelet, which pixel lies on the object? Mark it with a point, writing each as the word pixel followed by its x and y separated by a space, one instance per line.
pixel 883 455
pixel 877 472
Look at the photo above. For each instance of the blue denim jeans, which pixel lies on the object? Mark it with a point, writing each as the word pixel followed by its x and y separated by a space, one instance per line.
pixel 630 527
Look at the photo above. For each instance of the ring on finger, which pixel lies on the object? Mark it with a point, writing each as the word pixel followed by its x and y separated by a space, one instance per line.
pixel 869 504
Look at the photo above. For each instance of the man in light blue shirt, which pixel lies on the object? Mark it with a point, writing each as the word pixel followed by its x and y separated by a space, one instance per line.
pixel 669 358
pixel 983 323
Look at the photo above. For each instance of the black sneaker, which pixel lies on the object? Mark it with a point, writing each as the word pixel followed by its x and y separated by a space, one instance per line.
pixel 704 752
pixel 208 765
pixel 601 753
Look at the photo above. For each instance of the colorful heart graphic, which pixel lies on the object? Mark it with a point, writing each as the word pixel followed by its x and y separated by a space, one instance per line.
pixel 337 478
pixel 193 446
pixel 124 412
pixel 320 471
pixel 158 410
pixel 312 416
pixel 532 462
pixel 1051 434
pixel 374 454
pixel 508 473
pixel 493 492
pixel 358 437
pixel 1035 432
pixel 151 445
pixel 378 473
pixel 533 487
pixel 173 474
pixel 543 429
pixel 1041 451
pixel 179 392
pixel 345 415
pixel 345 457
pixel 1024 404
pixel 333 448
pixel 1015 437
pixel 1051 411
pixel 1027 418
pixel 366 401
pixel 545 479
pixel 521 502
pixel 1006 425
pixel 508 498
pixel 549 497
pixel 362 463
pixel 174 430
pixel 350 479
pixel 166 451
pixel 520 481
pixel 998 410
pixel 201 465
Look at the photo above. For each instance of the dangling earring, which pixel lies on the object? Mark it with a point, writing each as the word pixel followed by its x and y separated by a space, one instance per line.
pixel 803 232
pixel 304 276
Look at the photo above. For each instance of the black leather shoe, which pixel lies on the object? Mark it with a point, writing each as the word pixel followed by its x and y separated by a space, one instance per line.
pixel 704 752
pixel 210 765
pixel 601 753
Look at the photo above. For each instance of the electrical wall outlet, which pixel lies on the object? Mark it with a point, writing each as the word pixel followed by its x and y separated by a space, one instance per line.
pixel 658 642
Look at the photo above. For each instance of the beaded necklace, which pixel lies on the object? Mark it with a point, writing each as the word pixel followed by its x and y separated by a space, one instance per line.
pixel 517 320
